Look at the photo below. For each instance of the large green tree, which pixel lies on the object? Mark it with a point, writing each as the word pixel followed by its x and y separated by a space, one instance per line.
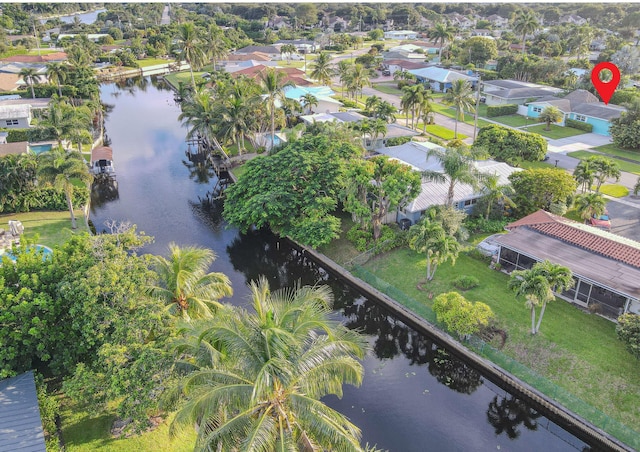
pixel 376 187
pixel 184 284
pixel 539 188
pixel 60 168
pixel 260 384
pixel 509 145
pixel 293 191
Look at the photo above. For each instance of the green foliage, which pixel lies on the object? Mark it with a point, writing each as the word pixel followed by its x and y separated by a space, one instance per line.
pixel 349 103
pixel 480 224
pixel 625 134
pixel 539 188
pixel 501 110
pixel 49 409
pixel 466 282
pixel 510 145
pixel 578 125
pixel 293 191
pixel 460 315
pixel 390 238
pixel 397 141
pixel 628 331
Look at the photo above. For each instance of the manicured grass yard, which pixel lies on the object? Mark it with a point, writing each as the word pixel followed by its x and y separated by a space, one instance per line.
pixel 576 350
pixel 615 190
pixel 530 165
pixel 53 228
pixel 624 165
pixel 185 77
pixel 515 120
pixel 614 151
pixel 387 88
pixel 451 112
pixel 556 132
pixel 152 62
pixel 441 132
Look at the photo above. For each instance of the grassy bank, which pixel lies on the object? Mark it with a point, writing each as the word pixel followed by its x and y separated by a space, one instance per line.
pixel 624 165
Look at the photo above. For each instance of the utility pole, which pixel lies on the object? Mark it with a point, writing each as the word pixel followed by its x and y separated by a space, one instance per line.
pixel 475 122
pixel 35 32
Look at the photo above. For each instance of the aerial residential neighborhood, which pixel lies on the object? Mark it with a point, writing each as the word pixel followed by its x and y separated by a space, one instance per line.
pixel 305 226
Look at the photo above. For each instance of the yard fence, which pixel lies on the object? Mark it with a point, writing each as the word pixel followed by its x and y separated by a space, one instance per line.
pixel 542 384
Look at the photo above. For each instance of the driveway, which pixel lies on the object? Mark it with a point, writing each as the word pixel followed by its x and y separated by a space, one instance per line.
pixel 577 143
pixel 625 218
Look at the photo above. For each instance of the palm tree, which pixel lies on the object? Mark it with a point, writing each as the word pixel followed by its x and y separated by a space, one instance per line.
pixel 191 47
pixel 57 73
pixel 550 114
pixel 524 24
pixel 358 78
pixel 636 187
pixel 427 112
pixel 198 112
pixel 493 192
pixel 30 77
pixel 431 239
pixel 605 168
pixel 584 173
pixel 62 120
pixel 457 167
pixel 257 377
pixel 371 103
pixel 216 47
pixel 232 120
pixel 321 69
pixel 289 50
pixel 461 97
pixel 441 33
pixel 308 101
pixel 59 168
pixel 385 111
pixel 184 284
pixel 274 84
pixel 534 287
pixel 412 99
pixel 590 205
pixel 343 70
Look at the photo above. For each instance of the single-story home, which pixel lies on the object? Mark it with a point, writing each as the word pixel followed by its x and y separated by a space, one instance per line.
pixel 272 51
pixel 400 34
pixel 301 45
pixel 434 193
pixel 326 103
pixel 16 113
pixel 16 148
pixel 20 422
pixel 94 37
pixel 502 92
pixel 580 105
pixel 398 64
pixel 294 75
pixel 605 266
pixel 440 79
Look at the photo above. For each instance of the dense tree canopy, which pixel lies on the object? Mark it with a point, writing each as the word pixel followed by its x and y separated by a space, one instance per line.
pixel 293 191
pixel 539 188
pixel 511 146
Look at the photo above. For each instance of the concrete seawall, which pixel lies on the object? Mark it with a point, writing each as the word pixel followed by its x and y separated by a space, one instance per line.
pixel 578 426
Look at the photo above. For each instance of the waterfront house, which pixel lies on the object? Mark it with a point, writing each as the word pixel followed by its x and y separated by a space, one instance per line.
pixel 605 266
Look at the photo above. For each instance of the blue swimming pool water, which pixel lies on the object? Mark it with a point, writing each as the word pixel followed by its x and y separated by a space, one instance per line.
pixel 40 148
pixel 46 252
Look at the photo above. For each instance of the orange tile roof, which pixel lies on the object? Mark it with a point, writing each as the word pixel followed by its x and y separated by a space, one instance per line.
pixel 57 56
pixel 583 236
pixel 294 75
pixel 8 82
pixel 257 56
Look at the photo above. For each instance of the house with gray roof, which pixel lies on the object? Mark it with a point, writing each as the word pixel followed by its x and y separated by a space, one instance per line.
pixel 503 92
pixel 580 105
pixel 20 422
pixel 441 79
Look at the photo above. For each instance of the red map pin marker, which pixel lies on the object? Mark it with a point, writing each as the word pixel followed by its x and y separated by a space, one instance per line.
pixel 605 89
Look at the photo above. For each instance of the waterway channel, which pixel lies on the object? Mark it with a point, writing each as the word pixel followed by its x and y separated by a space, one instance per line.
pixel 415 396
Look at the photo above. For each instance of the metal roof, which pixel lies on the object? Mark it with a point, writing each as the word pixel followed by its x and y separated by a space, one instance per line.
pixel 441 75
pixel 20 423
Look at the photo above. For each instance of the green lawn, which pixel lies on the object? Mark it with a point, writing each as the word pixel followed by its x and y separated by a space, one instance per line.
pixel 387 88
pixel 624 165
pixel 341 250
pixel 614 151
pixel 515 120
pixel 84 432
pixel 451 112
pixel 185 77
pixel 53 228
pixel 576 350
pixel 441 132
pixel 615 190
pixel 535 165
pixel 153 61
pixel 556 132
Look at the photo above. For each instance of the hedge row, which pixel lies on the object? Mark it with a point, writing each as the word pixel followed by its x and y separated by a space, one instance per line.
pixel 578 125
pixel 33 134
pixel 501 110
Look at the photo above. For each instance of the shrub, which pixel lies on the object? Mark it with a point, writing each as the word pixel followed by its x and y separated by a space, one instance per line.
pixel 475 253
pixel 397 141
pixel 360 238
pixel 578 125
pixel 16 135
pixel 466 282
pixel 501 110
pixel 479 224
pixel 390 237
pixel 460 315
pixel 628 331
pixel 349 103
pixel 509 145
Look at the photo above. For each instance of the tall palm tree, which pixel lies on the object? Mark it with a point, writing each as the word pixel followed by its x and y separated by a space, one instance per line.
pixel 257 377
pixel 457 167
pixel 274 84
pixel 461 97
pixel 386 111
pixel 590 204
pixel 493 192
pixel 198 112
pixel 430 238
pixel 525 23
pixel 412 99
pixel 308 101
pixel 57 73
pixel 232 120
pixel 184 284
pixel 359 77
pixel 191 47
pixel 584 173
pixel 59 168
pixel 321 69
pixel 216 46
pixel 344 73
pixel 62 120
pixel 605 168
pixel 30 77
pixel 371 103
pixel 441 33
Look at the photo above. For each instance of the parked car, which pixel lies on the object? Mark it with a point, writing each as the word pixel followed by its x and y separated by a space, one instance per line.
pixel 386 72
pixel 601 221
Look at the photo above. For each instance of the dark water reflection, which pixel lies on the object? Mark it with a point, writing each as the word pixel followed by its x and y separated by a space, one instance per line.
pixel 415 396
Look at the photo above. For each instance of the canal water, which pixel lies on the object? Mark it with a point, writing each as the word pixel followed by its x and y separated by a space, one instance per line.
pixel 88 17
pixel 415 396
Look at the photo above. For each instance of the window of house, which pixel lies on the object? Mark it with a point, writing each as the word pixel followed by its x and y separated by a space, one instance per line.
pixel 12 122
pixel 470 202
pixel 581 118
pixel 537 109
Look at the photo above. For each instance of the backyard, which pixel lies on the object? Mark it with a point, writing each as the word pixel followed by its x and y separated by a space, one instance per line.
pixel 50 228
pixel 556 132
pixel 624 165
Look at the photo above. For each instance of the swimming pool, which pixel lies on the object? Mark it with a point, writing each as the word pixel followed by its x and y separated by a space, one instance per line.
pixel 46 252
pixel 40 148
